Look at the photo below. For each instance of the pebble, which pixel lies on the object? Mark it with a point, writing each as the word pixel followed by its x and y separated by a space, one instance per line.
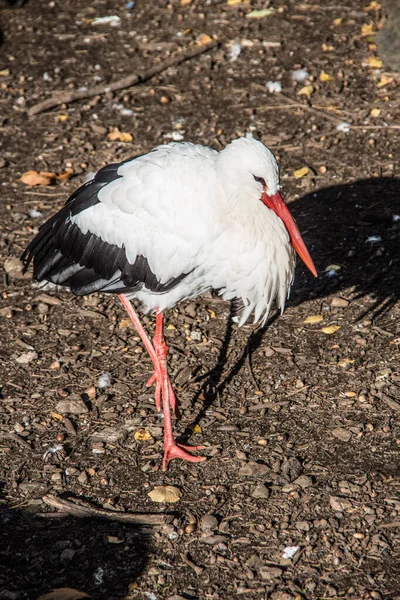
pixel 341 434
pixel 303 481
pixel 339 302
pixel 18 427
pixel 83 478
pixel 75 406
pixel 339 504
pixel 270 572
pixel 260 491
pixel 253 469
pixel 208 523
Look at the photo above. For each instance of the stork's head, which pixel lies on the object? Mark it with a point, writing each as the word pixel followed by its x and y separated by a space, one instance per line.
pixel 253 167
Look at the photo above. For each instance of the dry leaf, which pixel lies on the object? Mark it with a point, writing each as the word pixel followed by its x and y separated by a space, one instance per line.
pixel 197 429
pixel 212 314
pixel 343 362
pixel 373 62
pixel 325 77
pixel 64 594
pixel 116 135
pixel 64 176
pixel 367 29
pixel 372 6
pixel 56 416
pixel 171 327
pixel 307 90
pixel 124 324
pixel 301 172
pixel 260 14
pixel 375 112
pixel 313 319
pixel 350 394
pixel 34 178
pixel 142 435
pixel 333 268
pixel 235 2
pixel 62 118
pixel 204 39
pixel 4 72
pixel 185 2
pixel 384 80
pixel 330 329
pixel 165 493
pixel 337 22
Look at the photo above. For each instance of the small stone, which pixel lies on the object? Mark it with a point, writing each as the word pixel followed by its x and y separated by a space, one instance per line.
pixel 339 504
pixel 26 357
pixel 75 406
pixel 260 491
pixel 56 477
pixel 270 572
pixel 208 523
pixel 339 302
pixel 18 427
pixel 253 469
pixel 341 434
pixel 303 481
pixel 83 478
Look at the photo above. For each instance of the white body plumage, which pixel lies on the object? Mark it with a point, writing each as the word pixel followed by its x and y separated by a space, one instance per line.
pixel 191 210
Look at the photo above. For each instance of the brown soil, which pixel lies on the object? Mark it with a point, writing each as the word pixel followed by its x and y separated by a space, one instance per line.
pixel 317 413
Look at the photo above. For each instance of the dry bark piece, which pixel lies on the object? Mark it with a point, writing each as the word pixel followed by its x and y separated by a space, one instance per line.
pixel 75 406
pixel 339 504
pixel 341 434
pixel 64 594
pixel 253 469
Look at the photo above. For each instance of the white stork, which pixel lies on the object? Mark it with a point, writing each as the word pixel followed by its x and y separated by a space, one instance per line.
pixel 170 225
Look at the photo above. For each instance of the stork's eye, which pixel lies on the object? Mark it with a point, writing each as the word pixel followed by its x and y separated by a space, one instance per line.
pixel 260 180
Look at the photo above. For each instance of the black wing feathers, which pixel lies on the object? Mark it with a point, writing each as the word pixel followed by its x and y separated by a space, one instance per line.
pixel 63 254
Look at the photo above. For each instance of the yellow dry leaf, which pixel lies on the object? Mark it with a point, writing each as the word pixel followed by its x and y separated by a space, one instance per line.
pixel 384 80
pixel 64 594
pixel 185 2
pixel 171 327
pixel 204 39
pixel 142 435
pixel 33 178
pixel 350 394
pixel 372 6
pixel 212 314
pixel 55 365
pixel 116 135
pixel 333 268
pixel 197 429
pixel 313 319
pixel 4 72
pixel 66 175
pixel 62 118
pixel 325 77
pixel 299 173
pixel 337 22
pixel 91 392
pixel 165 493
pixel 375 112
pixel 234 2
pixel 124 324
pixel 330 329
pixel 56 416
pixel 306 90
pixel 373 62
pixel 367 29
pixel 260 14
pixel 343 362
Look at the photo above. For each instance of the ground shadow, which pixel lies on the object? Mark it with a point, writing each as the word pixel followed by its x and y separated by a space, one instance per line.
pixel 354 229
pixel 99 557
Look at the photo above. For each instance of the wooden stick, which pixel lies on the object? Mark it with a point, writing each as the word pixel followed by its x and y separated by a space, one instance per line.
pixel 79 510
pixel 125 82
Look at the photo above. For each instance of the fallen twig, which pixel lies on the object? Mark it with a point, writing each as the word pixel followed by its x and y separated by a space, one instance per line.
pixel 17 439
pixel 125 82
pixel 84 510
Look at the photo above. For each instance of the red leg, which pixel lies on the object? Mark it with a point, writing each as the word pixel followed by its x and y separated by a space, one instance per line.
pixel 148 345
pixel 171 448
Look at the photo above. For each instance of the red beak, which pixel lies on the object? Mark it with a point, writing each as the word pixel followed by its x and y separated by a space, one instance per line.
pixel 277 204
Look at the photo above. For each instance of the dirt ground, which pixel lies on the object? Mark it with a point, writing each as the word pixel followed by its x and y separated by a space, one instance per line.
pixel 300 420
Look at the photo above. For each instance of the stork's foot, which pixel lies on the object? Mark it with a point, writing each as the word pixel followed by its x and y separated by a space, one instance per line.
pixel 156 378
pixel 174 450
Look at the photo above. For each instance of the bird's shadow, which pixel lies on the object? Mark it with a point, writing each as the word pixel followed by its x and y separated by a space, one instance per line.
pixel 99 557
pixel 352 232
